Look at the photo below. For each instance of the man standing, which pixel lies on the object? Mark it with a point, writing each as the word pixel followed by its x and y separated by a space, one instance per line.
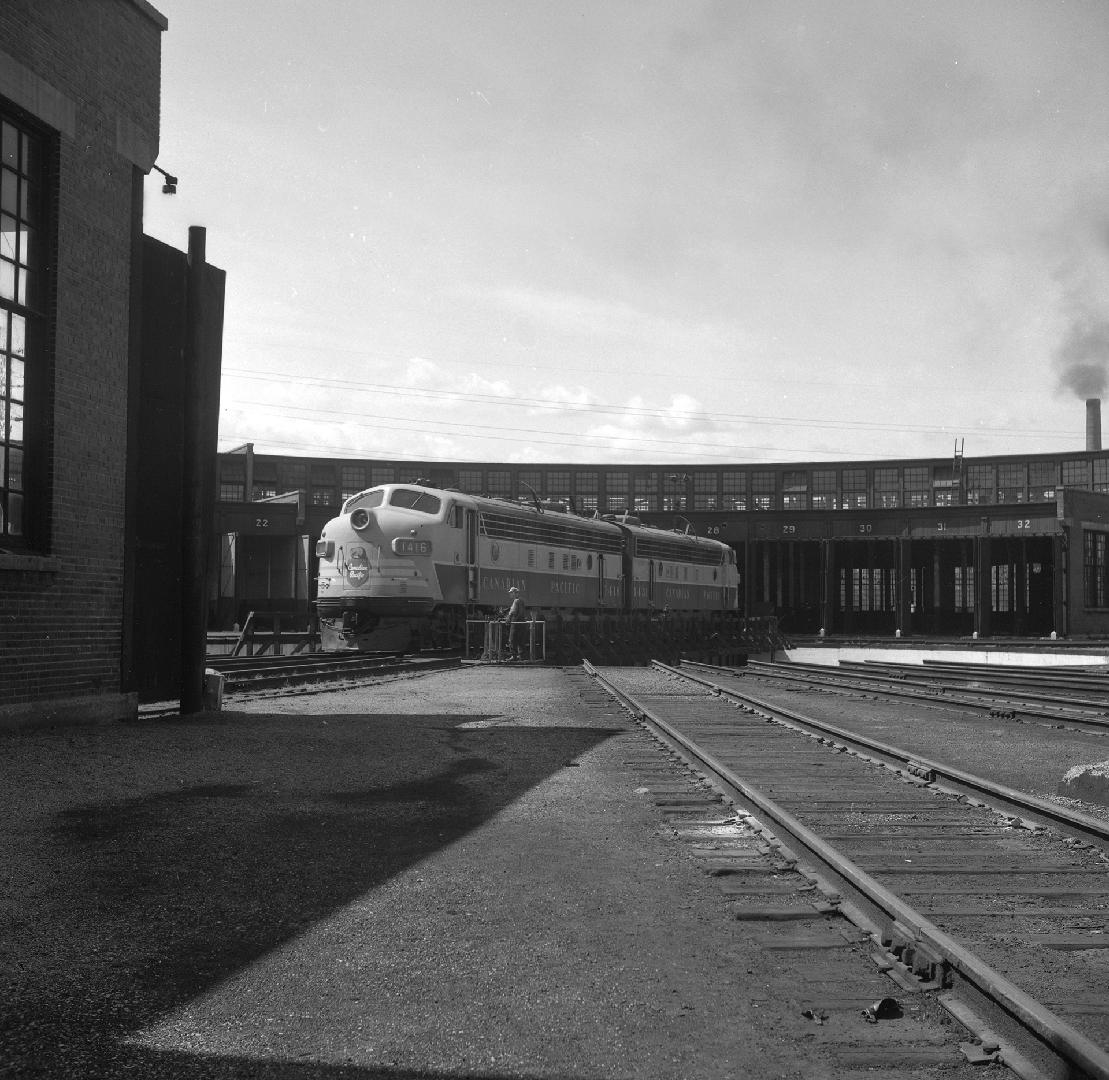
pixel 514 617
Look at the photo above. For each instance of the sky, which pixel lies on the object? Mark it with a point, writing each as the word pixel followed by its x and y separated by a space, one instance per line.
pixel 634 231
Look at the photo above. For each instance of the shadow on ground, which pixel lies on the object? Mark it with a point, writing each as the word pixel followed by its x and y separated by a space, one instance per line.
pixel 219 839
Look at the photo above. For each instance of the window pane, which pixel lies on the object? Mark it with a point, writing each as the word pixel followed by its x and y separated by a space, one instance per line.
pixel 8 199
pixel 26 246
pixel 415 500
pixel 15 515
pixel 30 156
pixel 15 468
pixel 9 145
pixel 17 380
pixel 19 336
pixel 7 237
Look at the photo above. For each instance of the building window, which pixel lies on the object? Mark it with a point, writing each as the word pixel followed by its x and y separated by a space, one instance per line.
pixel 868 589
pixel 825 489
pixel 964 588
pixel 1043 479
pixel 265 481
pixel 1101 474
pixel 981 485
pixel 675 491
pixel 616 489
pixel 918 486
pixel 498 482
pixel 795 490
pixel 616 483
pixel 558 485
pixel 763 490
pixel 1076 474
pixel 1001 585
pixel 1095 564
pixel 22 351
pixel 380 476
pixel 854 489
pixel 469 480
pixel 323 485
pixel 527 482
pixel 588 503
pixel 352 479
pixel 585 483
pixel 232 480
pixel 734 486
pixel 1011 483
pixel 296 474
pixel 887 489
pixel 706 486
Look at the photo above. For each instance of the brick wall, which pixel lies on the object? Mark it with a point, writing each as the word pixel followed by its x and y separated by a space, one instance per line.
pixel 61 605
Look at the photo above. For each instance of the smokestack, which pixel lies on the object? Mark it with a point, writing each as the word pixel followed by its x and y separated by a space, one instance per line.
pixel 1093 423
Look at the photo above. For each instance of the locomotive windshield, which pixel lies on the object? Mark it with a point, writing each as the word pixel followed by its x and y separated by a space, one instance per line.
pixel 366 499
pixel 415 500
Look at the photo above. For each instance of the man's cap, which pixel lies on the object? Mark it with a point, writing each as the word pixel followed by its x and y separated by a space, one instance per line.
pixel 513 589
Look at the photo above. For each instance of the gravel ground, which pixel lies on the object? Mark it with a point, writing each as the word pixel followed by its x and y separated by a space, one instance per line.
pixel 450 875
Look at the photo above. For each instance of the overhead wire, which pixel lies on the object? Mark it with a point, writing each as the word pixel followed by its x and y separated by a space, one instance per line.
pixel 626 410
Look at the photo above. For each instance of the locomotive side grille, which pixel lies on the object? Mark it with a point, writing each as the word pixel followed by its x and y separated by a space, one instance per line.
pixel 540 530
pixel 676 551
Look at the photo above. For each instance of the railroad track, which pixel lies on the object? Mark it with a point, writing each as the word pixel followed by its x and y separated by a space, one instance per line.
pixel 250 674
pixel 993 901
pixel 1062 699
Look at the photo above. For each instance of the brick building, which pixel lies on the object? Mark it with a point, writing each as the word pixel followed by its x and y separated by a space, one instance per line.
pixel 1001 546
pixel 79 117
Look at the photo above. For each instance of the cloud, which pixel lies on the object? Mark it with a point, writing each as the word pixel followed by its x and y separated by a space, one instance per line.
pixel 453 389
pixel 570 399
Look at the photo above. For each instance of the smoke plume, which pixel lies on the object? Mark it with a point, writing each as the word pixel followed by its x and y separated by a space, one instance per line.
pixel 1083 357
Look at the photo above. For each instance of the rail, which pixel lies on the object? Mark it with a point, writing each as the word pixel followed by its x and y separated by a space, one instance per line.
pixel 919 935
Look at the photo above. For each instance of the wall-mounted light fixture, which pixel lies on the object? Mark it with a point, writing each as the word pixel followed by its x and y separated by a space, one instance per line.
pixel 170 186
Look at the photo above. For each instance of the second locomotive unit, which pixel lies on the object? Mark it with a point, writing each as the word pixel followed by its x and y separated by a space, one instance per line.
pixel 411 559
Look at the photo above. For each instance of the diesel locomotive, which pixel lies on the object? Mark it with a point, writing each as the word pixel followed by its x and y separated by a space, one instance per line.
pixel 405 563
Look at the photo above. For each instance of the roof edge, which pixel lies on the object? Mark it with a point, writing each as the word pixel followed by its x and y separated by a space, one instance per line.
pixel 151 12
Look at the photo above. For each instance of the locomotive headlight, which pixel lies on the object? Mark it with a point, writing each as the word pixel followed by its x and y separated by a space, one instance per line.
pixel 360 518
